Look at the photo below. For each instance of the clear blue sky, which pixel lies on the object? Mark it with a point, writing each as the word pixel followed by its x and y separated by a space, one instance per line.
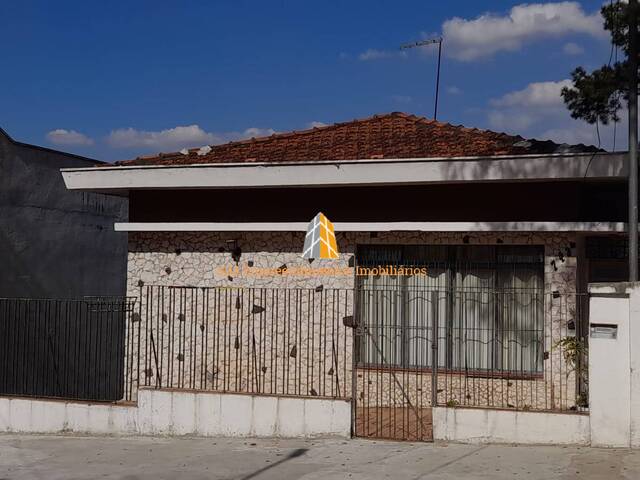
pixel 114 79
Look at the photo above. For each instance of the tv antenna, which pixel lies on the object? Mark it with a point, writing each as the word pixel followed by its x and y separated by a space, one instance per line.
pixel 423 43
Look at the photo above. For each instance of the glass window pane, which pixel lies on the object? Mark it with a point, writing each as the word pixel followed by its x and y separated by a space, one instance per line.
pixel 484 303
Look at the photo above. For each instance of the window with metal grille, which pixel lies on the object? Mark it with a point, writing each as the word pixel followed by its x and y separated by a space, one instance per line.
pixel 477 308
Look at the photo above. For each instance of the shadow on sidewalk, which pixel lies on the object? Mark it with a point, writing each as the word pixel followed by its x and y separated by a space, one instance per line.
pixel 298 452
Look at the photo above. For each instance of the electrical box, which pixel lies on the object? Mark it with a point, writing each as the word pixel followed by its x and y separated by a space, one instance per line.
pixel 603 330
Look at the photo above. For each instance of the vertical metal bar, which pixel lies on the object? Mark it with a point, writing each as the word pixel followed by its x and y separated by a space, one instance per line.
pixel 171 337
pixel 298 377
pixel 323 335
pixel 36 333
pixel 4 352
pixel 434 348
pixel 205 341
pixel 633 140
pixel 222 332
pixel 99 322
pixel 182 337
pixel 238 341
pixel 272 298
pixel 286 347
pixel 139 322
pixel 264 341
pixel 355 343
pixel 162 319
pixel 127 363
pixel 311 338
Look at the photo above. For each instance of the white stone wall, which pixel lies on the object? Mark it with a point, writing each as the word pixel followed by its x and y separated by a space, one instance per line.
pixel 263 341
pixel 196 259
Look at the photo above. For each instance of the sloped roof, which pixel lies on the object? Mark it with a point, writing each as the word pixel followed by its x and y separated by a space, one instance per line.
pixel 392 135
pixel 4 135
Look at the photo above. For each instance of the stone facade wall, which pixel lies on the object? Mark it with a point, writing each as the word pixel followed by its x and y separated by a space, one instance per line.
pixel 212 259
pixel 262 341
pixel 405 389
pixel 196 259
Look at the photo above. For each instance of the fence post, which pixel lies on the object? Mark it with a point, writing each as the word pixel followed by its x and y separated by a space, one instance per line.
pixel 355 342
pixel 610 392
pixel 434 348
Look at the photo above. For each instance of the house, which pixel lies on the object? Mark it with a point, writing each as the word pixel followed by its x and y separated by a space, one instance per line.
pixel 56 243
pixel 508 232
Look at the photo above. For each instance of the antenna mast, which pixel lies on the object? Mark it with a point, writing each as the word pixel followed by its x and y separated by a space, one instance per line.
pixel 423 43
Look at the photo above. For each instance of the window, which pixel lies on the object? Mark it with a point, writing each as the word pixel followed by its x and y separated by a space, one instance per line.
pixel 484 303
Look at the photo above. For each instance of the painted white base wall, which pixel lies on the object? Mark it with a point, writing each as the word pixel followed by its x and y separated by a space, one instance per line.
pixel 56 416
pixel 211 414
pixel 161 412
pixel 474 425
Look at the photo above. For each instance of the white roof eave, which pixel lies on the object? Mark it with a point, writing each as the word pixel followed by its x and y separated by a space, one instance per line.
pixel 592 227
pixel 555 167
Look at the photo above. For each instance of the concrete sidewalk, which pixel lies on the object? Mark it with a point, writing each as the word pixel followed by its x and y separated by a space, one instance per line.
pixel 66 457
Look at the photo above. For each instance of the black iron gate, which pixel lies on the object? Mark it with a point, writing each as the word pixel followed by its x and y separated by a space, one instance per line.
pixel 417 348
pixel 394 388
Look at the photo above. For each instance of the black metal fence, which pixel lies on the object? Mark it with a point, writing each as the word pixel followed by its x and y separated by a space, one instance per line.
pixel 70 349
pixel 397 350
pixel 272 341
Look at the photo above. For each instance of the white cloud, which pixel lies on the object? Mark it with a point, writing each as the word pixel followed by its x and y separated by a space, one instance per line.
pixel 488 34
pixel 572 48
pixel 538 111
pixel 177 137
pixel 316 124
pixel 373 54
pixel 61 136
pixel 510 121
pixel 537 103
pixel 575 132
pixel 172 138
pixel 537 94
pixel 453 90
pixel 252 132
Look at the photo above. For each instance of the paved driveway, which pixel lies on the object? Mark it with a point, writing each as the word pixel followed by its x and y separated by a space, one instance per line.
pixel 66 457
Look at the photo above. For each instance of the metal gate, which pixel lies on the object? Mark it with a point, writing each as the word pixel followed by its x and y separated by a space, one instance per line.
pixel 416 348
pixel 394 385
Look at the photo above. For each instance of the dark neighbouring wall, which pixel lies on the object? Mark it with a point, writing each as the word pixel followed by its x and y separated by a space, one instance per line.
pixel 56 243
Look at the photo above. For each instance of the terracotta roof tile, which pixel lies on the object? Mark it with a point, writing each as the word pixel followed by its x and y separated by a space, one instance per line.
pixel 393 135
